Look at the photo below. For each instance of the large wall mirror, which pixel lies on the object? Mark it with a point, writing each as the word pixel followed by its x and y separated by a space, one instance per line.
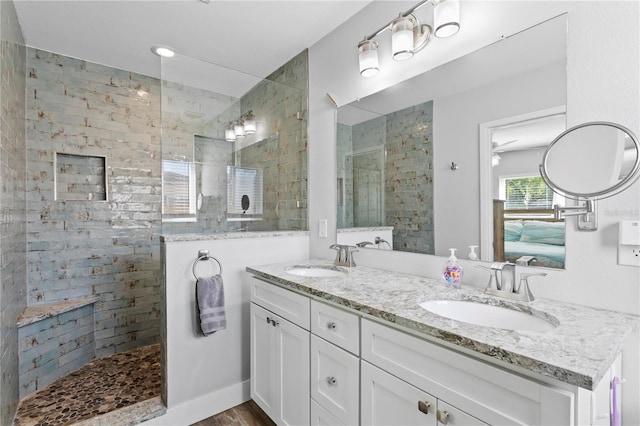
pixel 443 159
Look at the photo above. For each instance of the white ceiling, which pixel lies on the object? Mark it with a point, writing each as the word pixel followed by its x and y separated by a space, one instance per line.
pixel 254 37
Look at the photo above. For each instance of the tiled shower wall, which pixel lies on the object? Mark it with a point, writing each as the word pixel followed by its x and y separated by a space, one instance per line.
pixel 279 149
pixel 407 136
pixel 12 204
pixel 409 178
pixel 79 248
pixel 283 154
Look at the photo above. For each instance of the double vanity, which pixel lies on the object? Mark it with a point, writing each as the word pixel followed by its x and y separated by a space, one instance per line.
pixel 348 346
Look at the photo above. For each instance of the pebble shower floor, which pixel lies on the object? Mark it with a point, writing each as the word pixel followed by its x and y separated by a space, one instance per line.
pixel 101 386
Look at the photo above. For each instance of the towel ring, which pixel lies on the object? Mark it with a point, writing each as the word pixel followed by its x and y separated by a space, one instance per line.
pixel 204 255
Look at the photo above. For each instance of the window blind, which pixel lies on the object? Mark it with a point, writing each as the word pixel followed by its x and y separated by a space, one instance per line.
pixel 178 188
pixel 242 181
pixel 525 193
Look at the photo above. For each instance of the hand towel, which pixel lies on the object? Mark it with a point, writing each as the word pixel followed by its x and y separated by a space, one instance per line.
pixel 210 301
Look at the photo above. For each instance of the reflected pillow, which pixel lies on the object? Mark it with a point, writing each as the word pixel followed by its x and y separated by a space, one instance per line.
pixel 512 230
pixel 535 231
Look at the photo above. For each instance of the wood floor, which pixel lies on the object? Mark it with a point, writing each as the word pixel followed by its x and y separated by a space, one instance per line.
pixel 247 414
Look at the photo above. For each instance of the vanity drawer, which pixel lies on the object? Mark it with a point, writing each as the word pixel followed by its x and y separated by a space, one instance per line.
pixel 289 305
pixel 335 325
pixel 335 377
pixel 321 417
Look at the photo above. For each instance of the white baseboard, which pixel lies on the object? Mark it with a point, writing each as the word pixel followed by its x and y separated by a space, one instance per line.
pixel 205 406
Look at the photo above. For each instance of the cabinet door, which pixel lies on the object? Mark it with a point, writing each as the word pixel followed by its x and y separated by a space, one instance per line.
pixel 448 415
pixel 387 400
pixel 263 359
pixel 292 372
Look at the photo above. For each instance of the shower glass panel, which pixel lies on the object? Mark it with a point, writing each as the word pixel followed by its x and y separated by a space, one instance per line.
pixel 249 182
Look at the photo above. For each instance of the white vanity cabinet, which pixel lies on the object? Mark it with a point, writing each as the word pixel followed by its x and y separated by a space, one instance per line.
pixel 280 353
pixel 317 363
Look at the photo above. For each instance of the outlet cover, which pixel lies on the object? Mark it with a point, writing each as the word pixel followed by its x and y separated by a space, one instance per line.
pixel 628 255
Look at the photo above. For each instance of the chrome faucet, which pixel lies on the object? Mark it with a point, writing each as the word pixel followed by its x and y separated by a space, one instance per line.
pixel 364 244
pixel 344 254
pixel 504 284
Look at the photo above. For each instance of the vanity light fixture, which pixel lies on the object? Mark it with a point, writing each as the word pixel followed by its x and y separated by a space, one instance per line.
pixel 229 135
pixel 163 51
pixel 245 125
pixel 402 37
pixel 408 36
pixel 238 128
pixel 446 18
pixel 368 58
pixel 249 124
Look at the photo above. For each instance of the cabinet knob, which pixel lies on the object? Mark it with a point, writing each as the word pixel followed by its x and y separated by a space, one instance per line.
pixel 443 416
pixel 268 320
pixel 331 325
pixel 331 381
pixel 276 323
pixel 423 406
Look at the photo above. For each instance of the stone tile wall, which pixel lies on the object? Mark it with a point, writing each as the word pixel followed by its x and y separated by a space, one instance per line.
pixel 193 123
pixel 105 248
pixel 13 279
pixel 283 153
pixel 344 148
pixel 54 347
pixel 407 137
pixel 279 148
pixel 409 178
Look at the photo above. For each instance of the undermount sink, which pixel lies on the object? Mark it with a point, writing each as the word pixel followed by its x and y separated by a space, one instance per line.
pixel 487 315
pixel 316 271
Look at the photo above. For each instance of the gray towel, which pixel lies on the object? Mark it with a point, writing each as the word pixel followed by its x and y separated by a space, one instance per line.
pixel 210 300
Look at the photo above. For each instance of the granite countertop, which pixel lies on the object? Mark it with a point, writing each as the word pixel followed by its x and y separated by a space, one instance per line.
pixel 578 351
pixel 171 238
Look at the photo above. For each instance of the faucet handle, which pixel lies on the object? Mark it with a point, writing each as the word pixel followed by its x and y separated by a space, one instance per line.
pixel 349 250
pixel 523 286
pixel 493 277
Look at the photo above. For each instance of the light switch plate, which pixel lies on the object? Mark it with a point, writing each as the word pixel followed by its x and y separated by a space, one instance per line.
pixel 322 228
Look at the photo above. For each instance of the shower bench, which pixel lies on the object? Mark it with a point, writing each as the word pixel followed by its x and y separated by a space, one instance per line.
pixel 54 339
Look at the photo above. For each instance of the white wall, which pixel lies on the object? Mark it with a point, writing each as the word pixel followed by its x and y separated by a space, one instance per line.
pixel 603 79
pixel 455 129
pixel 206 375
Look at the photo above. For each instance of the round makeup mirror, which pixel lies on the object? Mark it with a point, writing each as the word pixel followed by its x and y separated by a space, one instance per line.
pixel 592 161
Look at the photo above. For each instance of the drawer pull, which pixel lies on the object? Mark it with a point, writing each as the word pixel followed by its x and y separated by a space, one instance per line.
pixel 331 325
pixel 423 406
pixel 331 381
pixel 443 416
pixel 272 322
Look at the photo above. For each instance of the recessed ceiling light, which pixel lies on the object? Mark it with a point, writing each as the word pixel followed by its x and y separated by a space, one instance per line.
pixel 164 51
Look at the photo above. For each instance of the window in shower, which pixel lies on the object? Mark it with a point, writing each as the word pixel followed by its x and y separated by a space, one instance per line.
pixel 178 191
pixel 244 193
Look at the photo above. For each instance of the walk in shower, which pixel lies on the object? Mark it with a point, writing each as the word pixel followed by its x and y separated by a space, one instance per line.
pixel 159 159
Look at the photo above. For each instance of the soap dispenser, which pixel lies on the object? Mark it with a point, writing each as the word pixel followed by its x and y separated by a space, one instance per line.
pixel 452 272
pixel 472 253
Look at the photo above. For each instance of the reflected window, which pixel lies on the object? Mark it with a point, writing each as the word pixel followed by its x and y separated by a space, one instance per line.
pixel 527 193
pixel 178 191
pixel 244 191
